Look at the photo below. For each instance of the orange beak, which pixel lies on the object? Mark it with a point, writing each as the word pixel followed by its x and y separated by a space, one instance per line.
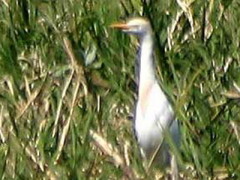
pixel 120 26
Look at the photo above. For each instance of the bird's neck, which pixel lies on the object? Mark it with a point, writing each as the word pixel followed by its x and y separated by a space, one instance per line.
pixel 147 72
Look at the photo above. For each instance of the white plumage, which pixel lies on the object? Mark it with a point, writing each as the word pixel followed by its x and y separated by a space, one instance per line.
pixel 154 113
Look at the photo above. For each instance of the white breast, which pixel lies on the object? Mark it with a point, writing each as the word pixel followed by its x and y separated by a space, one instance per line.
pixel 151 119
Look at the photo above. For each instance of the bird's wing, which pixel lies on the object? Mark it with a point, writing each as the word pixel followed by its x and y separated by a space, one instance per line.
pixel 160 107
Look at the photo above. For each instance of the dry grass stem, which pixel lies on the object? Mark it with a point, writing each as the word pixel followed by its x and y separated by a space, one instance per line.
pixel 32 96
pixel 172 28
pixel 106 148
pixel 188 12
pixel 236 130
pixel 67 124
pixel 60 103
pixel 2 135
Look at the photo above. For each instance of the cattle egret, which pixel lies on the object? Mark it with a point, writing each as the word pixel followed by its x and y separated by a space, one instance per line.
pixel 154 115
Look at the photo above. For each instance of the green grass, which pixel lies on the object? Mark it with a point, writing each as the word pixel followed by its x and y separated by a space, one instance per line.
pixel 64 73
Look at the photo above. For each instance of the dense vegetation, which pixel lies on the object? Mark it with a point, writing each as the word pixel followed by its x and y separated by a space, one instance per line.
pixel 67 88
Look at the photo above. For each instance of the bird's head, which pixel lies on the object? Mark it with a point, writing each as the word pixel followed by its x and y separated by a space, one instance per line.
pixel 138 26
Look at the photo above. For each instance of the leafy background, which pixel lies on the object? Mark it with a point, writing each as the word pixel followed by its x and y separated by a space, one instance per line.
pixel 67 88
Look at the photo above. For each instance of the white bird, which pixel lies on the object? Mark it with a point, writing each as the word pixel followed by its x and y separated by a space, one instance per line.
pixel 154 115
